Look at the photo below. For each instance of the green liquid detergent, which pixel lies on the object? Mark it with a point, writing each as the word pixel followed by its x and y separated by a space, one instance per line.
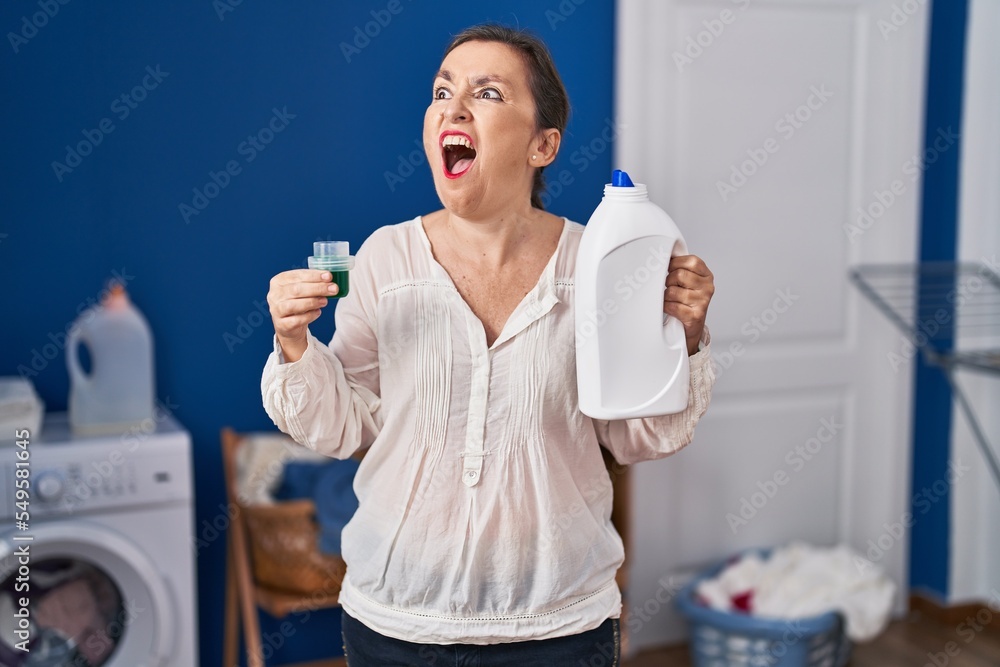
pixel 343 281
pixel 335 257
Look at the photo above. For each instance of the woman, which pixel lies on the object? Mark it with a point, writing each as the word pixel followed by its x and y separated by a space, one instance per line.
pixel 483 532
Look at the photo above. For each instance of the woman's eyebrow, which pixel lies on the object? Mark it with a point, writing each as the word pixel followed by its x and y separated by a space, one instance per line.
pixel 478 81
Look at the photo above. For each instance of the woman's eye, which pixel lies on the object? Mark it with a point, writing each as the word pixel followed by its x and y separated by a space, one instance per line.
pixel 441 94
pixel 490 94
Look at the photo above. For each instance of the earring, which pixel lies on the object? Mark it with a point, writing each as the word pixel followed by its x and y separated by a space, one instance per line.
pixel 534 157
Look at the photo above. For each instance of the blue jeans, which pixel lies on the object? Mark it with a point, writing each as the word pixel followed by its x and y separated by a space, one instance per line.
pixel 599 647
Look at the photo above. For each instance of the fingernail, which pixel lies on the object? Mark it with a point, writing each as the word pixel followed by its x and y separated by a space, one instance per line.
pixel 333 289
pixel 327 276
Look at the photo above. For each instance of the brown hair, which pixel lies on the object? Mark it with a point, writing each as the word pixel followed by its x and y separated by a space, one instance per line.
pixel 551 100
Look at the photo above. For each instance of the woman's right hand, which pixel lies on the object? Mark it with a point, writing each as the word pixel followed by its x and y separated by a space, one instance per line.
pixel 295 299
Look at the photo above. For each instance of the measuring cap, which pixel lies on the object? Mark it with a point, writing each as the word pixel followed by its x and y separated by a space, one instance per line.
pixel 331 256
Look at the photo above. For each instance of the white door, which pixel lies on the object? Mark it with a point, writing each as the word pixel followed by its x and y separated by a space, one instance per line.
pixel 781 136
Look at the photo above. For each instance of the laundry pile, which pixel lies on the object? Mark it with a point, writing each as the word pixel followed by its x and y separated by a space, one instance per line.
pixel 271 468
pixel 800 581
pixel 77 616
pixel 20 408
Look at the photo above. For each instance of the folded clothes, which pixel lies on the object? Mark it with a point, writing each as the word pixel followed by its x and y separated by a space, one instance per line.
pixel 330 486
pixel 800 581
pixel 260 462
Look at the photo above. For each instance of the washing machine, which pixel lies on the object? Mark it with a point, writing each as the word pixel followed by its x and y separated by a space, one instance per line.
pixel 101 574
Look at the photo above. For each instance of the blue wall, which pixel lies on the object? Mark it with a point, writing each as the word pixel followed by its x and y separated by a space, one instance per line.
pixel 930 539
pixel 222 70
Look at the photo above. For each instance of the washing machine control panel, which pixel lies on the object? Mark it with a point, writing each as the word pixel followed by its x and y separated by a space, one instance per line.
pixel 73 478
pixel 49 486
pixel 76 485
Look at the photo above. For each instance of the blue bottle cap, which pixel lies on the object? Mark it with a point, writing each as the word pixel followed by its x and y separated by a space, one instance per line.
pixel 620 179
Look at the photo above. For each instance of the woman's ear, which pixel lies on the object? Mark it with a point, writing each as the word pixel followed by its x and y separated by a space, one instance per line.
pixel 546 148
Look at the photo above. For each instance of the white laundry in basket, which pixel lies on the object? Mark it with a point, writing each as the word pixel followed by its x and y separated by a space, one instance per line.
pixel 801 581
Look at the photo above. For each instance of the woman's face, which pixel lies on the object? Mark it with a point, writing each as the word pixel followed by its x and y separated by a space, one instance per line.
pixel 479 130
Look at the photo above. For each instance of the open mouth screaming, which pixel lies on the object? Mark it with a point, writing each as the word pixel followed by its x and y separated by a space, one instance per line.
pixel 457 153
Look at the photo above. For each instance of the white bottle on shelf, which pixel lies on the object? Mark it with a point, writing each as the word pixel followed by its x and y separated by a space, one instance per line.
pixel 118 392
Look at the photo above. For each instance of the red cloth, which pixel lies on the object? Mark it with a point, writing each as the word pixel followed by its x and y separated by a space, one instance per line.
pixel 743 602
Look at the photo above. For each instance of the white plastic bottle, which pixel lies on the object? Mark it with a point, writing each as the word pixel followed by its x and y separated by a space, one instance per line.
pixel 118 393
pixel 631 358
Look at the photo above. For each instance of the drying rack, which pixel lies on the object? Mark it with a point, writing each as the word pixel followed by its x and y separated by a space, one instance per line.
pixel 950 311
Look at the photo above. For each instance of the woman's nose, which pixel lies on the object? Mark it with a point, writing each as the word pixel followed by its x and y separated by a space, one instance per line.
pixel 456 109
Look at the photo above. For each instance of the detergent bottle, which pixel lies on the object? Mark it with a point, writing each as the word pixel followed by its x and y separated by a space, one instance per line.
pixel 118 392
pixel 631 358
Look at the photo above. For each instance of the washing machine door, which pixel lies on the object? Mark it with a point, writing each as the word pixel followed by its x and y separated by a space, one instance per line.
pixel 94 599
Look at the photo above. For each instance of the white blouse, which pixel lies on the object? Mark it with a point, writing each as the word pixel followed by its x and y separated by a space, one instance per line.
pixel 485 504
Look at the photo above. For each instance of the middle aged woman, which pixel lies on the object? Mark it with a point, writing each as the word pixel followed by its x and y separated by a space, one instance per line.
pixel 483 535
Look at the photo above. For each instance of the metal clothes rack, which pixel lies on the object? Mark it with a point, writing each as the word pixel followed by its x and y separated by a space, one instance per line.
pixel 950 311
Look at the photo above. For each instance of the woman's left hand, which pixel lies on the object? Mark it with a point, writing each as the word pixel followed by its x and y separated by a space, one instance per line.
pixel 690 286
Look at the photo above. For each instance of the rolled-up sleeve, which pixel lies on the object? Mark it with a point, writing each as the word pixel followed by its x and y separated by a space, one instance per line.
pixel 328 400
pixel 635 440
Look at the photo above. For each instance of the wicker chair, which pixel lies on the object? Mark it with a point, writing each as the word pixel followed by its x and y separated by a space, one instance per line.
pixel 272 563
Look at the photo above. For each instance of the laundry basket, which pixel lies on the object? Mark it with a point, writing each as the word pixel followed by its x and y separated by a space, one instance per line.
pixel 281 537
pixel 284 555
pixel 723 639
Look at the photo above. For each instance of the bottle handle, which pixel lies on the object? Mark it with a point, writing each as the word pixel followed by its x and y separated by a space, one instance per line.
pixel 680 247
pixel 674 334
pixel 673 330
pixel 73 341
